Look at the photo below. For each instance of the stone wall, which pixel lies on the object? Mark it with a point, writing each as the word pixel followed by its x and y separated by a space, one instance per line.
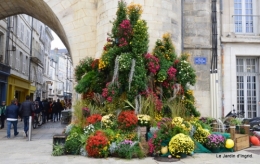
pixel 161 16
pixel 197 42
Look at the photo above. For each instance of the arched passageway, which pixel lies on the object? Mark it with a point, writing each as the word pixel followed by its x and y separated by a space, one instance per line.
pixel 71 20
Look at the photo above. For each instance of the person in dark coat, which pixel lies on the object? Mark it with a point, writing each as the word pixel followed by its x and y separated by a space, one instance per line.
pixel 45 110
pixel 59 108
pixel 2 114
pixel 11 113
pixel 55 111
pixel 26 109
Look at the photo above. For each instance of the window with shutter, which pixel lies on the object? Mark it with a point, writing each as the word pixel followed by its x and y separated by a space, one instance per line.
pixel 24 66
pixel 11 59
pixel 21 62
pixel 17 60
pixel 18 28
pixel 27 37
pixel 22 31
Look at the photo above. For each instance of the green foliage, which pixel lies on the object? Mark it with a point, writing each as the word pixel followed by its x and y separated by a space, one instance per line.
pixel 120 16
pixel 73 143
pixel 134 12
pixel 85 83
pixel 174 108
pixel 235 122
pixel 58 149
pixel 79 117
pixel 165 52
pixel 140 39
pixel 128 151
pixel 83 67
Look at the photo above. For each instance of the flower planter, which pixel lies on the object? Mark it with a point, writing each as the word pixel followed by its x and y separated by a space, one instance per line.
pixel 182 155
pixel 215 150
pixel 144 130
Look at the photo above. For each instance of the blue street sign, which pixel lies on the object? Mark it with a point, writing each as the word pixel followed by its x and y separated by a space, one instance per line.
pixel 200 60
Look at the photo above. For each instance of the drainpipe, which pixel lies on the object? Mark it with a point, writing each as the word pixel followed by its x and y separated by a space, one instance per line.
pixel 7 42
pixel 182 26
pixel 29 77
pixel 222 61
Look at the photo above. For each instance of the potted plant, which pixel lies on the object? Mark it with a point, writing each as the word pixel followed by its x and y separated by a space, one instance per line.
pixel 181 145
pixel 236 122
pixel 214 142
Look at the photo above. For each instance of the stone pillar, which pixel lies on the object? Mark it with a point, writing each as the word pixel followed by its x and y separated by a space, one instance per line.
pixel 197 41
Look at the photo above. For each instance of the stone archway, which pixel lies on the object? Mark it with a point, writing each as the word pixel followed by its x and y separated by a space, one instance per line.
pixel 66 18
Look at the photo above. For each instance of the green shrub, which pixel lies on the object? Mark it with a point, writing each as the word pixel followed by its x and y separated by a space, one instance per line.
pixel 58 149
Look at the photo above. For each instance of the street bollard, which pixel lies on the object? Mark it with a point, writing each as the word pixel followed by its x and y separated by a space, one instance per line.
pixel 30 129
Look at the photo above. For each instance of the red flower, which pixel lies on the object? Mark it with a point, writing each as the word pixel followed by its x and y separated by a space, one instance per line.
pixel 94 118
pixel 95 145
pixel 94 64
pixel 127 120
pixel 152 63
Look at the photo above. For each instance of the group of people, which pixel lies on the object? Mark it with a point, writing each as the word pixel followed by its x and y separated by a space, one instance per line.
pixel 51 111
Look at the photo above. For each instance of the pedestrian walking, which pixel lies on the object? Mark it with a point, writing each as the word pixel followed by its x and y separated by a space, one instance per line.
pixel 59 109
pixel 26 109
pixel 45 110
pixel 11 113
pixel 2 114
pixel 54 111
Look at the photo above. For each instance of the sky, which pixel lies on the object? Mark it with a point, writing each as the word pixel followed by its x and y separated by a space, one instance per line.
pixel 56 43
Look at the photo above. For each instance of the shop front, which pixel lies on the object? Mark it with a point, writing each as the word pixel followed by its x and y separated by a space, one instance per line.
pixel 18 88
pixel 4 73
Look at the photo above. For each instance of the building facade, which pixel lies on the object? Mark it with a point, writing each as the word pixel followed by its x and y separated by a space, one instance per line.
pixel 23 45
pixel 19 40
pixel 64 74
pixel 4 66
pixel 240 52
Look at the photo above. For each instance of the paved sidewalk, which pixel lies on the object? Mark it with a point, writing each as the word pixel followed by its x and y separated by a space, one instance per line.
pixel 18 150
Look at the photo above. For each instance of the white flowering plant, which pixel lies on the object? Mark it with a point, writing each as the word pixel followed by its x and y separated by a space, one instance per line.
pixel 185 73
pixel 144 120
pixel 89 129
pixel 125 60
pixel 108 121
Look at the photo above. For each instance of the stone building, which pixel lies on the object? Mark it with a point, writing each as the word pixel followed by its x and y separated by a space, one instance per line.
pixel 222 37
pixel 64 75
pixel 22 52
pixel 240 52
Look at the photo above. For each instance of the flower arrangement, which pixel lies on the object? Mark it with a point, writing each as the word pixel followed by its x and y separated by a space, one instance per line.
pixel 177 121
pixel 89 129
pixel 201 135
pixel 127 120
pixel 72 144
pixel 110 91
pixel 215 141
pixel 152 63
pixel 97 145
pixel 108 121
pixel 181 143
pixel 186 74
pixel 125 61
pixel 128 149
pixel 143 120
pixel 85 111
pixel 94 119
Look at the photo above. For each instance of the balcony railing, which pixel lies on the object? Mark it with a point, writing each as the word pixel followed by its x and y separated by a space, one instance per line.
pixel 37 56
pixel 246 24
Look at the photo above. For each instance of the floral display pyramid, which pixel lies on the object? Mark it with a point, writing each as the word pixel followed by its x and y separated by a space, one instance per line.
pixel 129 88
